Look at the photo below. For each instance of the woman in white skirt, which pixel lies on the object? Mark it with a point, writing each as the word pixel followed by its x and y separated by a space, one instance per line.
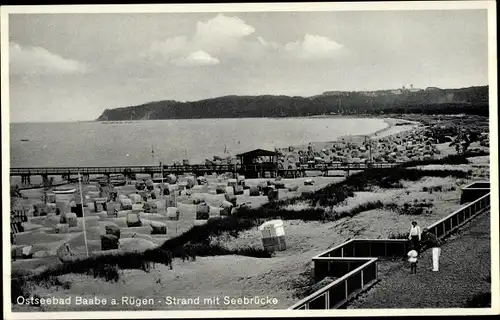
pixel 431 241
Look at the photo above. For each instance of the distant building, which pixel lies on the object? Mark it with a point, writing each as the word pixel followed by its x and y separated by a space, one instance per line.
pixel 412 89
pixel 433 89
pixel 368 93
pixel 336 93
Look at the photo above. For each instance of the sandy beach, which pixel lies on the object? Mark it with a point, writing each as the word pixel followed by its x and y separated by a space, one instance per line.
pixel 286 275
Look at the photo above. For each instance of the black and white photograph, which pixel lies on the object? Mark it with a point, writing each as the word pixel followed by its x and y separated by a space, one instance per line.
pixel 275 159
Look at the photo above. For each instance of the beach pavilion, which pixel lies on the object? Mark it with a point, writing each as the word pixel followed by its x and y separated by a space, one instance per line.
pixel 257 162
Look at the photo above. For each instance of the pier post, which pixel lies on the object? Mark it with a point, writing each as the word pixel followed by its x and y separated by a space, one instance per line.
pixel 26 180
pixel 128 175
pixel 45 180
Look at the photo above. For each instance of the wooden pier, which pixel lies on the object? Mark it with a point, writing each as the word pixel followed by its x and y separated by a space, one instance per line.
pixel 256 170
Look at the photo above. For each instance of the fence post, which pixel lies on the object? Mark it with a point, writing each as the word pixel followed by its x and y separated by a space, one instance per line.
pixel 346 289
pixel 327 300
pixel 362 282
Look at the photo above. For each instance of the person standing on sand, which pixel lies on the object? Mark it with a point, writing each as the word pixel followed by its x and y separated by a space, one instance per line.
pixel 431 241
pixel 415 236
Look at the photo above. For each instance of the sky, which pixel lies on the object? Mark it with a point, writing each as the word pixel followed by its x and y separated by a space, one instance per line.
pixel 69 67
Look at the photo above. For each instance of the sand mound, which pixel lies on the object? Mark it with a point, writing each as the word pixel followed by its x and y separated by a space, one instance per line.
pixel 120 222
pixel 37 220
pixel 143 230
pixel 112 252
pixel 50 247
pixel 40 236
pixel 104 224
pixel 136 235
pixel 187 211
pixel 42 254
pixel 152 216
pixel 31 226
pixel 214 200
pixel 136 245
pixel 90 222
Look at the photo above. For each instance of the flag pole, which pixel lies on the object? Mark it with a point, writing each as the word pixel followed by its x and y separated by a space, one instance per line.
pixel 83 214
pixel 161 172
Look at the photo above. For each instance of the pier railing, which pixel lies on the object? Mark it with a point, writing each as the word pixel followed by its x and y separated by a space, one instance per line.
pixel 26 171
pixel 355 262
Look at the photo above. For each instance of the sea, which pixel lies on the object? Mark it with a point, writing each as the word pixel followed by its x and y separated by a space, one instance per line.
pixel 150 142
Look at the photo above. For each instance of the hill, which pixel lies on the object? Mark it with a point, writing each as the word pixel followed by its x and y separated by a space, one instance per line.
pixel 472 100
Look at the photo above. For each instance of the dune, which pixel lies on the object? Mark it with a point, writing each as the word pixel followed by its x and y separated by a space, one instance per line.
pixel 136 245
pixel 40 236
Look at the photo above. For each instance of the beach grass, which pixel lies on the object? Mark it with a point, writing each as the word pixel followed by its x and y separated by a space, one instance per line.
pixel 452 159
pixel 336 193
pixel 196 241
pixel 187 246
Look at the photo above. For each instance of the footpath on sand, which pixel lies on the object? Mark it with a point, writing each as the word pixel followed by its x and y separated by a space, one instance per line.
pixel 464 271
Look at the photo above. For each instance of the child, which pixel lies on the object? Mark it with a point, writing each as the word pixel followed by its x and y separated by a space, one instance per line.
pixel 413 260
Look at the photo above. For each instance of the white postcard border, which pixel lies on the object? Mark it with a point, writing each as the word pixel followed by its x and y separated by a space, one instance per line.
pixel 253 7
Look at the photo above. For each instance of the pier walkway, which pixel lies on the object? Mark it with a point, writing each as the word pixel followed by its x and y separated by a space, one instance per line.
pixel 464 271
pixel 167 169
pixel 266 170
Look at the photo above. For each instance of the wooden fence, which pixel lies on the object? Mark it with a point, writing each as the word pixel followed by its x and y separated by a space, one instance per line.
pixel 355 262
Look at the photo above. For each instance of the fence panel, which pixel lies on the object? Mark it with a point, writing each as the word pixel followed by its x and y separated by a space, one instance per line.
pixel 348 250
pixel 363 272
pixel 336 294
pixel 396 248
pixel 369 273
pixel 324 267
pixel 361 248
pixel 320 269
pixel 354 283
pixel 378 249
pixel 458 218
pixel 319 303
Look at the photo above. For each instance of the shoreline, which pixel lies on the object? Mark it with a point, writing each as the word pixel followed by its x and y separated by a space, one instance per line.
pixel 391 123
pixel 394 127
pixel 285 274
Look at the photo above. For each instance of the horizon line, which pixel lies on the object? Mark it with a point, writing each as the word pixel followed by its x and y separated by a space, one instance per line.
pixel 242 95
pixel 301 96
